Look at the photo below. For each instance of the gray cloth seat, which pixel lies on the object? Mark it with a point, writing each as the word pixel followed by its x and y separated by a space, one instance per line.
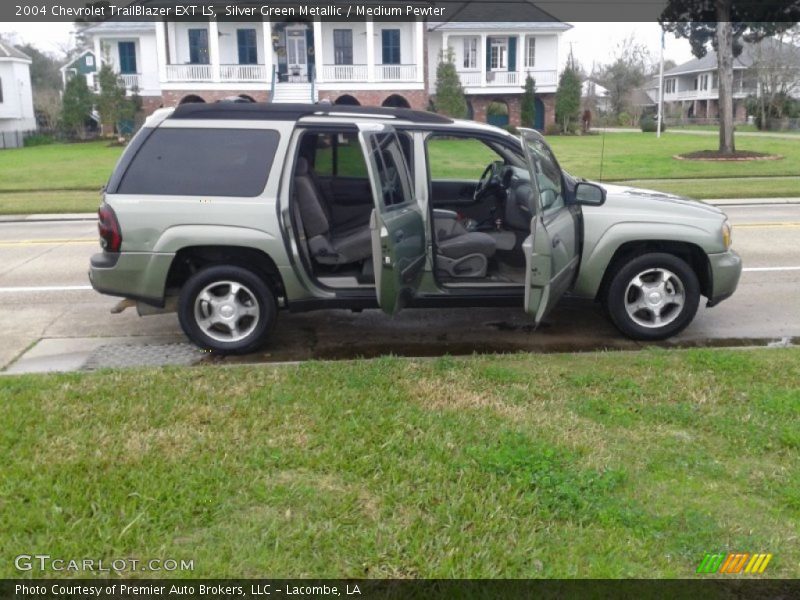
pixel 327 247
pixel 460 253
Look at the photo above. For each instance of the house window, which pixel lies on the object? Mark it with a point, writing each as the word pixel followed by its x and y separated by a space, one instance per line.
pixel 198 46
pixel 89 60
pixel 530 52
pixel 391 46
pixel 127 57
pixel 343 46
pixel 669 86
pixel 470 53
pixel 246 40
pixel 701 82
pixel 498 59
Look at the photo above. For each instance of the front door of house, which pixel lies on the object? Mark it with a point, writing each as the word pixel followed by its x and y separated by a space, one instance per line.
pixel 296 54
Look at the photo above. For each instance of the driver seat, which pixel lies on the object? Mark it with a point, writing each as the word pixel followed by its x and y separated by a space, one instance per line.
pixel 459 252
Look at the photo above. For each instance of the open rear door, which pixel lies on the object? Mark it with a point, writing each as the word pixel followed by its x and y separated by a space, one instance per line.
pixel 398 230
pixel 538 247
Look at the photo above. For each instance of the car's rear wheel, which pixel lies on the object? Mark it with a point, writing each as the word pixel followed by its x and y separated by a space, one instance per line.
pixel 227 309
pixel 653 297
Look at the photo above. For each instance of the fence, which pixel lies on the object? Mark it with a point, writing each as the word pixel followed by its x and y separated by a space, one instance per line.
pixel 13 139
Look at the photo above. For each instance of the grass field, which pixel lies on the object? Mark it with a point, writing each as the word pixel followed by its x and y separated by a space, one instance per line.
pixel 593 465
pixel 46 178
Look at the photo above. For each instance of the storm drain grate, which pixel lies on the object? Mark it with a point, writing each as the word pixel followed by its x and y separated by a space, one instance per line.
pixel 121 356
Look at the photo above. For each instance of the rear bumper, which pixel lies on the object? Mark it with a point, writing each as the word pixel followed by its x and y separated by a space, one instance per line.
pixel 726 268
pixel 137 275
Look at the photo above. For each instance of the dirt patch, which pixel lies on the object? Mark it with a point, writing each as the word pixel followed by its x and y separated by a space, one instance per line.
pixel 715 155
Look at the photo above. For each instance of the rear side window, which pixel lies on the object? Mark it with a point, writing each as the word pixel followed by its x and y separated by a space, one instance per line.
pixel 202 162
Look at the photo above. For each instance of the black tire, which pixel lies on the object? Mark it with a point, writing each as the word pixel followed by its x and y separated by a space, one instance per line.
pixel 618 292
pixel 254 289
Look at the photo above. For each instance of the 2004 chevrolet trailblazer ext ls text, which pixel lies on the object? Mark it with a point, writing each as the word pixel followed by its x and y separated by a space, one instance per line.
pixel 229 212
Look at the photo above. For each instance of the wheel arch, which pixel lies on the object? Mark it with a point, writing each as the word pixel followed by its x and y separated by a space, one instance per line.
pixel 190 259
pixel 691 253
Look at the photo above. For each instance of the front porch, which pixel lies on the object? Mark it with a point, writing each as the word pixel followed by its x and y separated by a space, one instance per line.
pixel 281 52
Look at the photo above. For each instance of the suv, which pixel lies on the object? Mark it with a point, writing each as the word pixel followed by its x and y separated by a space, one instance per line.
pixel 229 213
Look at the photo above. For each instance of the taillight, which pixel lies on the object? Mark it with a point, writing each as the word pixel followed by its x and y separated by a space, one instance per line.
pixel 108 227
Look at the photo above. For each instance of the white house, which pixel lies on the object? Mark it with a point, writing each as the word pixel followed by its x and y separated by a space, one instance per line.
pixel 16 98
pixel 359 62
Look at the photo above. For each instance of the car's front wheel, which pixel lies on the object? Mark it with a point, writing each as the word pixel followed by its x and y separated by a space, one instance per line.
pixel 227 309
pixel 653 297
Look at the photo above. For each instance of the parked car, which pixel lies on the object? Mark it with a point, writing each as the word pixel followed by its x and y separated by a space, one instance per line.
pixel 232 213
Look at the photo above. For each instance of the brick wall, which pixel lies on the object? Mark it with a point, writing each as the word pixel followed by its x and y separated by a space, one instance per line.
pixel 417 99
pixel 174 97
pixel 480 104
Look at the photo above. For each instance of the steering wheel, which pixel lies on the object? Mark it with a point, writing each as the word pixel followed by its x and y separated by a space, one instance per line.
pixel 490 180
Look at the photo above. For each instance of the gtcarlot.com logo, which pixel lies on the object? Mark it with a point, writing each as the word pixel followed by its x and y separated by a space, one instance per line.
pixel 45 562
pixel 734 563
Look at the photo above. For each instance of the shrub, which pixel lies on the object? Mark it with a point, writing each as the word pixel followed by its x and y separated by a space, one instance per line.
pixel 39 139
pixel 649 124
pixel 552 129
pixel 528 108
pixel 450 98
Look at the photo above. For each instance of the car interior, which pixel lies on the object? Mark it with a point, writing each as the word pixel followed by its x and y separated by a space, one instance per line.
pixel 480 195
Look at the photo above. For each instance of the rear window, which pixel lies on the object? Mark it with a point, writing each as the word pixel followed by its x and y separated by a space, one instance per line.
pixel 202 162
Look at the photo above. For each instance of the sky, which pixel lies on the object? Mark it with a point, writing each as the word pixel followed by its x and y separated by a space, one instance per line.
pixel 589 41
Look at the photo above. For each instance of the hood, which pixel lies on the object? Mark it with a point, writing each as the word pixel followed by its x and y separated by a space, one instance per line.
pixel 637 199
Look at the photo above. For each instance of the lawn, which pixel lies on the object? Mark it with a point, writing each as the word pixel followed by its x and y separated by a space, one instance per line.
pixel 592 465
pixel 56 172
pixel 58 167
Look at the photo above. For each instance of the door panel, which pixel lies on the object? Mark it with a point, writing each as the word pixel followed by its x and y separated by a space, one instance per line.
pixel 551 250
pixel 451 193
pixel 397 226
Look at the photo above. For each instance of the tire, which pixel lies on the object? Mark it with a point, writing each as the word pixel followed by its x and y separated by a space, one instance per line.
pixel 227 309
pixel 653 297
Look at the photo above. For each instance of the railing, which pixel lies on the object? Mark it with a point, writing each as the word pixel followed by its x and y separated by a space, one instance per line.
pixel 708 94
pixel 131 80
pixel 502 78
pixel 243 73
pixel 188 72
pixel 543 77
pixel 344 72
pixel 395 72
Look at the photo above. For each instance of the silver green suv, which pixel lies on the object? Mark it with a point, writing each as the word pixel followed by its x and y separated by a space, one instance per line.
pixel 230 213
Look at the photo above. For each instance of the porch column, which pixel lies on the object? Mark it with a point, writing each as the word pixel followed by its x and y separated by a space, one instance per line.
pixel 419 46
pixel 266 33
pixel 98 53
pixel 522 56
pixel 370 50
pixel 482 59
pixel 172 44
pixel 319 57
pixel 162 52
pixel 213 49
pixel 445 47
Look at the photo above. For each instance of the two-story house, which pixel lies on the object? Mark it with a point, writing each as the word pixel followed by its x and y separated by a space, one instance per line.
pixel 691 90
pixel 16 97
pixel 494 59
pixel 360 62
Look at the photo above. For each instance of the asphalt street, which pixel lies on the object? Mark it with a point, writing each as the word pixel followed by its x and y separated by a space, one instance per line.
pixel 45 295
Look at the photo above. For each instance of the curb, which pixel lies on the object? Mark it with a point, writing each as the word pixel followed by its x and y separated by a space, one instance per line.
pixel 48 217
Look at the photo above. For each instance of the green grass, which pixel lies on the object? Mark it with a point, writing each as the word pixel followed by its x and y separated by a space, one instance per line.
pixel 58 167
pixel 739 128
pixel 593 465
pixel 62 170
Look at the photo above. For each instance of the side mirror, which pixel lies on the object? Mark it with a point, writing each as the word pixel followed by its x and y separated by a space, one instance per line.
pixel 590 194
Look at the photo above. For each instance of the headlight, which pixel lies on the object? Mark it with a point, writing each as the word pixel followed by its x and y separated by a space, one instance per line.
pixel 726 234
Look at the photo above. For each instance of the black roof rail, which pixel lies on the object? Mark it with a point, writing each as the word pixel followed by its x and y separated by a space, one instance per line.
pixel 263 111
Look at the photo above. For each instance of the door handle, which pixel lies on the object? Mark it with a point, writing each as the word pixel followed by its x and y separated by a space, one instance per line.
pixel 556 241
pixel 399 236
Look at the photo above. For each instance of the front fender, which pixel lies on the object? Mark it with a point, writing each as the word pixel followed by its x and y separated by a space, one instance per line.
pixel 598 254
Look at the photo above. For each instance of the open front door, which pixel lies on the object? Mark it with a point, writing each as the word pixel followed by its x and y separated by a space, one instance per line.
pixel 398 230
pixel 551 251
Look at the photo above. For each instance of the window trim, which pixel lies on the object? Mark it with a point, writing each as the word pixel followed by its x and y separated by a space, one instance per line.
pixel 343 48
pixel 530 49
pixel 201 52
pixel 500 45
pixel 251 50
pixel 470 53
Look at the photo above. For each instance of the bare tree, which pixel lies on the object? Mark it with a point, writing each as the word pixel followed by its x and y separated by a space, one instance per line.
pixel 776 71
pixel 627 71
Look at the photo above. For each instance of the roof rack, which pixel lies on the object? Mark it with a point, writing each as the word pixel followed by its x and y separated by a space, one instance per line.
pixel 262 111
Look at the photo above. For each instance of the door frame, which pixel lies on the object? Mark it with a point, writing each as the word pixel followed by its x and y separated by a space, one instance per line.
pixel 303 75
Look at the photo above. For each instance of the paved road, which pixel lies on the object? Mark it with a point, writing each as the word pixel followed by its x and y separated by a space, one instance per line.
pixel 44 294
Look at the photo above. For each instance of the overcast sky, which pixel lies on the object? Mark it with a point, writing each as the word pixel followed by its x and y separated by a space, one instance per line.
pixel 590 42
